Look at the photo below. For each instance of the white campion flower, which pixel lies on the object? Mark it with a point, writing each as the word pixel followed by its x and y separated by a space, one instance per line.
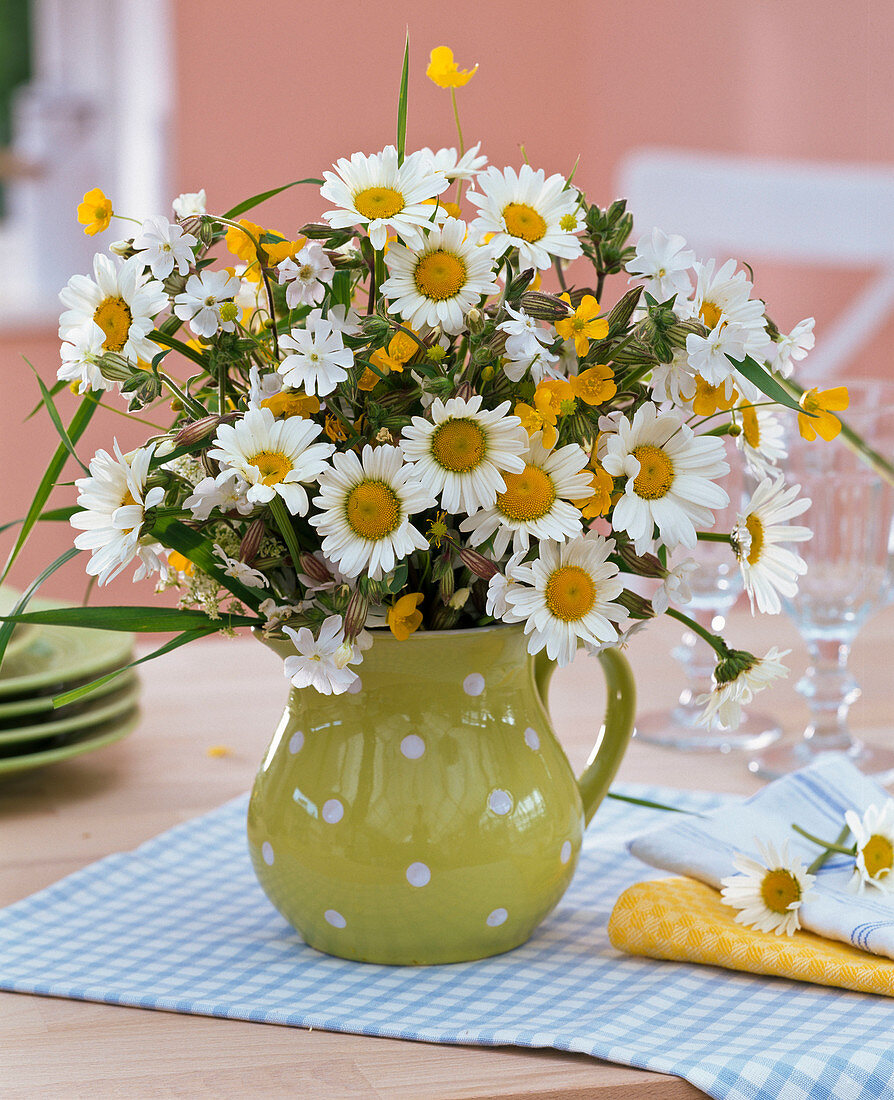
pixel 709 355
pixel 321 662
pixel 793 348
pixel 524 336
pixel 275 614
pixel 163 246
pixel 306 276
pixel 190 203
pixel 318 358
pixel 344 320
pixel 80 354
pixel 499 585
pixel 675 586
pixel 202 302
pixel 226 493
pixel 663 263
pixel 240 570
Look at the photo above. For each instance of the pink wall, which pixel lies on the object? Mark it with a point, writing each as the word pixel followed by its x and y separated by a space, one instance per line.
pixel 271 92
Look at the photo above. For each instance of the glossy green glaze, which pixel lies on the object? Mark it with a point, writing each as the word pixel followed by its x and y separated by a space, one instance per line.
pixel 431 816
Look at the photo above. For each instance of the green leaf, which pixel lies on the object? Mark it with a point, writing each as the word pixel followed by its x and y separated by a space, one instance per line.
pixel 137 620
pixel 55 417
pixel 174 643
pixel 76 428
pixel 158 337
pixel 177 536
pixel 256 200
pixel 57 387
pixel 765 382
pixel 8 627
pixel 402 104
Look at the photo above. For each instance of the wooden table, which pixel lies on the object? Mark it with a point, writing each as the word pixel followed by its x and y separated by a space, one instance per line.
pixel 54 821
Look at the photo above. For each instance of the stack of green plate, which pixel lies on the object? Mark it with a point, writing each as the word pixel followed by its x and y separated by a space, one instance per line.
pixel 43 661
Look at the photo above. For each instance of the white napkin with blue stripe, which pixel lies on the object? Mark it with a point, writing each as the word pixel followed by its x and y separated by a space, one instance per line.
pixel 815 798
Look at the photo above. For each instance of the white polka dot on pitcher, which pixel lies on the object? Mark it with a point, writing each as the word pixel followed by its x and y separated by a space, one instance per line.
pixel 356 687
pixel 412 746
pixel 497 917
pixel 296 742
pixel 531 739
pixel 335 918
pixel 333 811
pixel 499 801
pixel 267 853
pixel 565 853
pixel 473 684
pixel 418 874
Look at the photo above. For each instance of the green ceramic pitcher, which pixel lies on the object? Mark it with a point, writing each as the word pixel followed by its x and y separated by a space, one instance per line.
pixel 430 815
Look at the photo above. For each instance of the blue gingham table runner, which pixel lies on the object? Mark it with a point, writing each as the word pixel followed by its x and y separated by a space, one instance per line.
pixel 181 924
pixel 816 798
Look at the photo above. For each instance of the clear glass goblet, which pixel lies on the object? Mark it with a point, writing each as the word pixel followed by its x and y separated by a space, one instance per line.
pixel 715 586
pixel 849 576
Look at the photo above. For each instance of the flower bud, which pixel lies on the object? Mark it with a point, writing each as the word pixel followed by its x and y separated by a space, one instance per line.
pixel 464 391
pixel 115 368
pixel 619 318
pixel 124 249
pixel 443 618
pixel 677 333
pixel 476 321
pixel 459 598
pixel 312 567
pixel 316 231
pixel 200 429
pixel 174 284
pixel 636 606
pixel 251 541
pixel 644 565
pixel 355 614
pixel 545 307
pixel 446 586
pixel 477 563
pixel 375 327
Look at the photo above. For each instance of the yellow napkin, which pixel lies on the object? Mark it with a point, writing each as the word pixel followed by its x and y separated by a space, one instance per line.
pixel 684 920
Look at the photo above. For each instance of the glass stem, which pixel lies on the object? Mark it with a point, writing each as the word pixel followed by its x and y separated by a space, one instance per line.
pixel 830 690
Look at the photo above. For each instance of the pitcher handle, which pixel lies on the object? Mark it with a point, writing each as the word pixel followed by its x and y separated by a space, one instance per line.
pixel 605 759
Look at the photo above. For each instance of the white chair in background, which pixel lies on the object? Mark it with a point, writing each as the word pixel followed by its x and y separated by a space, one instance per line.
pixel 797 212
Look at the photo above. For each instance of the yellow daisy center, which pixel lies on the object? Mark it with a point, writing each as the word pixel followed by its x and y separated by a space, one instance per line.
pixel 272 466
pixel 570 593
pixel 756 530
pixel 440 275
pixel 751 428
pixel 528 496
pixel 656 472
pixel 372 510
pixel 779 889
pixel 114 317
pixel 710 314
pixel 458 444
pixel 523 221
pixel 128 499
pixel 878 855
pixel 378 202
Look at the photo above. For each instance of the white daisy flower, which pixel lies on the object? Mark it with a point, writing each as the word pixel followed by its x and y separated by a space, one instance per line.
pixel 80 355
pixel 723 705
pixel 450 164
pixel 793 348
pixel 727 293
pixel 122 302
pixel 240 570
pixel 321 662
pixel 439 282
pixel 319 359
pixel 675 586
pixel 768 892
pixel 762 439
pixel 275 457
pixel 226 493
pixel 307 276
pixel 374 191
pixel 769 569
pixel 669 471
pixel 535 502
pixel 115 502
pixel 162 246
pixel 527 211
pixel 663 263
pixel 874 834
pixel 365 506
pixel 460 452
pixel 564 596
pixel 190 203
pixel 203 303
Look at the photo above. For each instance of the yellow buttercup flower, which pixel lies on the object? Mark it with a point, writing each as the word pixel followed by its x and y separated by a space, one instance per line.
pixel 583 325
pixel 711 399
pixel 538 420
pixel 401 349
pixel 442 69
pixel 557 395
pixel 821 403
pixel 601 501
pixel 404 617
pixel 594 386
pixel 283 250
pixel 95 212
pixel 242 245
pixel 291 403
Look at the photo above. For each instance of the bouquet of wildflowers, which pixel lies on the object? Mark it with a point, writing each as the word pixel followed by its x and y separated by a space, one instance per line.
pixel 385 421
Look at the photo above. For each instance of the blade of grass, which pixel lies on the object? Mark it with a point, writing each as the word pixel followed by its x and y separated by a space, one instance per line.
pixel 256 200
pixel 8 627
pixel 55 417
pixel 136 620
pixel 402 104
pixel 76 428
pixel 57 387
pixel 177 536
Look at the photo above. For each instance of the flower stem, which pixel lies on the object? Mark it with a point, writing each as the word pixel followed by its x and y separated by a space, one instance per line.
pixel 284 523
pixel 714 641
pixel 714 536
pixel 823 856
pixel 459 129
pixel 651 805
pixel 830 847
pixel 188 402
